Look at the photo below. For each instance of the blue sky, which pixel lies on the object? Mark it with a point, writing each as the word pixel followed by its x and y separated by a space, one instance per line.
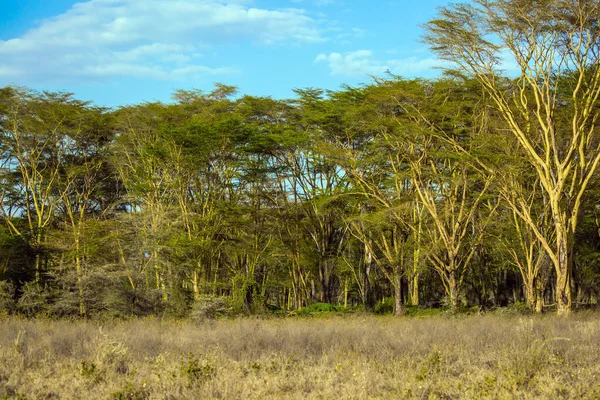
pixel 118 52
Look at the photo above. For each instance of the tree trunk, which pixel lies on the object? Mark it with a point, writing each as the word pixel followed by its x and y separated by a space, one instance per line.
pixel 346 293
pixel 195 285
pixel 530 294
pixel 325 294
pixel 398 307
pixel 541 281
pixel 563 271
pixel 369 295
pixel 453 290
pixel 414 297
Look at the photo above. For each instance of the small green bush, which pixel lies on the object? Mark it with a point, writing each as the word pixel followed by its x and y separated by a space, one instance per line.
pixel 35 300
pixel 7 297
pixel 517 308
pixel 131 392
pixel 196 370
pixel 319 307
pixel 386 306
pixel 273 308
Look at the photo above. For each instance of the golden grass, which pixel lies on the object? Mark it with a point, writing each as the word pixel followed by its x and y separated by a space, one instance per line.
pixel 359 357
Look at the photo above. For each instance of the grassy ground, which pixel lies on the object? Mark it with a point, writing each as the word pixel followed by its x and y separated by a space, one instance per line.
pixel 358 357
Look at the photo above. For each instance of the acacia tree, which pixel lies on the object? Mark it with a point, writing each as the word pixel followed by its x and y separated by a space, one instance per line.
pixel 36 135
pixel 205 159
pixel 438 124
pixel 317 182
pixel 141 159
pixel 384 216
pixel 81 178
pixel 551 108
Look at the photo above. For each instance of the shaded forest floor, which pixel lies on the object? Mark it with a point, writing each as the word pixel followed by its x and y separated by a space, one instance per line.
pixel 344 357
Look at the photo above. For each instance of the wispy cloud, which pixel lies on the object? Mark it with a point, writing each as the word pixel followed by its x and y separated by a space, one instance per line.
pixel 146 38
pixel 318 3
pixel 362 63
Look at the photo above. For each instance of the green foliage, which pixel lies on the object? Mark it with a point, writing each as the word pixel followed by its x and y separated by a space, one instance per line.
pixel 321 308
pixel 131 392
pixel 35 300
pixel 385 306
pixel 217 205
pixel 7 298
pixel 180 302
pixel 431 365
pixel 89 370
pixel 517 308
pixel 196 370
pixel 210 307
pixel 246 297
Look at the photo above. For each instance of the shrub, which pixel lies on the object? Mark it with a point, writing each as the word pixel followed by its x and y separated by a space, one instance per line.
pixel 319 307
pixel 35 300
pixel 210 307
pixel 386 306
pixel 517 308
pixel 131 392
pixel 196 370
pixel 7 297
pixel 180 302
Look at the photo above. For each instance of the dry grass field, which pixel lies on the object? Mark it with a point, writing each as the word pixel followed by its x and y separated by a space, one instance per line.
pixel 351 357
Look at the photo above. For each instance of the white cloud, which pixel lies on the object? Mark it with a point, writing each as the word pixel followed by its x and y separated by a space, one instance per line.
pixel 145 38
pixel 361 63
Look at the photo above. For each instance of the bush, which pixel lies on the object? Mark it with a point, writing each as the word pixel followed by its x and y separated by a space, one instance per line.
pixel 7 297
pixel 140 301
pixel 210 307
pixel 386 306
pixel 416 311
pixel 179 304
pixel 319 307
pixel 197 370
pixel 517 308
pixel 35 300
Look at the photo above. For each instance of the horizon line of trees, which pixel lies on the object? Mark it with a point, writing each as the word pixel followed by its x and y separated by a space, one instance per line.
pixel 470 189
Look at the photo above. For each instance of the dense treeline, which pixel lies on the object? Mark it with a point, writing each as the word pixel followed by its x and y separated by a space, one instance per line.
pixel 346 197
pixel 471 189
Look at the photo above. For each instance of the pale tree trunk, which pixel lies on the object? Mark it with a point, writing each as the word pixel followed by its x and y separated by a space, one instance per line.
pixel 548 47
pixel 564 243
pixel 195 284
pixel 398 306
pixel 530 294
pixel 453 290
pixel 414 286
pixel 346 293
pixel 368 298
pixel 417 220
pixel 414 297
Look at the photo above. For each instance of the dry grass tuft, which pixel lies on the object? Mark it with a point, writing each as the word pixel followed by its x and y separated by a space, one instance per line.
pixel 351 358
